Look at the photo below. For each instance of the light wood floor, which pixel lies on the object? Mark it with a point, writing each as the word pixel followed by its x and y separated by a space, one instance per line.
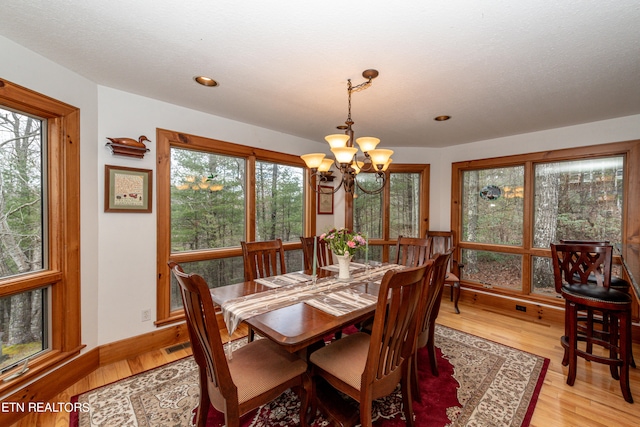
pixel 594 400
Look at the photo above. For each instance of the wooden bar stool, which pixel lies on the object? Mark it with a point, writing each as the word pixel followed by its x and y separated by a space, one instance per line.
pixel 617 283
pixel 573 264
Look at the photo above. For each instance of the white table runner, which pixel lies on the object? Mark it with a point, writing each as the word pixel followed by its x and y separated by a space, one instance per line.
pixel 239 309
pixel 284 280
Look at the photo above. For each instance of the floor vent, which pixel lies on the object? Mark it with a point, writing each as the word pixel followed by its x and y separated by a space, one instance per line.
pixel 177 347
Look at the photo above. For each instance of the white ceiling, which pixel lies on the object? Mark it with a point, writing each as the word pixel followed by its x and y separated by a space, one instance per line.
pixel 498 67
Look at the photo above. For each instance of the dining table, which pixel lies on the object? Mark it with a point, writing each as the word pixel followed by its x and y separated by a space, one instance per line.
pixel 296 311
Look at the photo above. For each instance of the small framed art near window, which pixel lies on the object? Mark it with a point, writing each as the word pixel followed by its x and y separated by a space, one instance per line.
pixel 127 189
pixel 325 200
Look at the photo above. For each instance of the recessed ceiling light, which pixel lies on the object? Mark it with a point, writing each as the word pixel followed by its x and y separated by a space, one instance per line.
pixel 441 118
pixel 206 81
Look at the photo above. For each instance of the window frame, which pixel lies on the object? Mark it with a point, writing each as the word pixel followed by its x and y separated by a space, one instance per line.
pixel 630 150
pixel 62 271
pixel 167 139
pixel 386 242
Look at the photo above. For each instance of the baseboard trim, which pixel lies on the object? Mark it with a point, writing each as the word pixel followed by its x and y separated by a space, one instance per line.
pixel 48 386
pixel 513 307
pixel 131 347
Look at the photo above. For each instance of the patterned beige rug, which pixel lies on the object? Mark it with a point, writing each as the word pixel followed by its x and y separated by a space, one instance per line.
pixel 481 383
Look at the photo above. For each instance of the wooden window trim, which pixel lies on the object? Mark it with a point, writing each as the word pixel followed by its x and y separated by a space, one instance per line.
pixel 630 217
pixel 386 242
pixel 166 139
pixel 63 216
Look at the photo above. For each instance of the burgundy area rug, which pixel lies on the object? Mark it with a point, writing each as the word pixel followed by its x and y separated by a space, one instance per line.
pixel 481 383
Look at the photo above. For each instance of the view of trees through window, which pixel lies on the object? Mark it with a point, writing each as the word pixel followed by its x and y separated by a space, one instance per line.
pixel 492 212
pixel 575 200
pixel 208 211
pixel 578 199
pixel 22 240
pixel 404 213
pixel 207 200
pixel 279 202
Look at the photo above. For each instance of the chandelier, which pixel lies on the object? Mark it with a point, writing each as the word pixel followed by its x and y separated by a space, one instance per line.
pixel 346 158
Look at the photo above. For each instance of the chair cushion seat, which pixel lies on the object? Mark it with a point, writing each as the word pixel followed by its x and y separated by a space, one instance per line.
pixel 616 282
pixel 262 365
pixel 595 293
pixel 353 348
pixel 451 278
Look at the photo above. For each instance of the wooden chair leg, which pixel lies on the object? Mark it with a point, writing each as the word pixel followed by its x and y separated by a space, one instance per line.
pixel 431 349
pixel 304 392
pixel 415 389
pixel 407 403
pixel 313 398
pixel 365 413
pixel 455 289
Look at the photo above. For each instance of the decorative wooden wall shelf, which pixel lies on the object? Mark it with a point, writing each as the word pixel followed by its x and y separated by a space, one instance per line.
pixel 128 146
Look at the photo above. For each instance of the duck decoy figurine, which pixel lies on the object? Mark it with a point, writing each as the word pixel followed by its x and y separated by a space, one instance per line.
pixel 130 141
pixel 128 146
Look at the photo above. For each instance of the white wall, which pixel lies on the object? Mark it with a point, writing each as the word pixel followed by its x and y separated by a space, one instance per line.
pixel 118 250
pixel 28 69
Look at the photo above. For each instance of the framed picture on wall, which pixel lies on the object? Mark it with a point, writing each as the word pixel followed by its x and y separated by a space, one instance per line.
pixel 127 189
pixel 325 200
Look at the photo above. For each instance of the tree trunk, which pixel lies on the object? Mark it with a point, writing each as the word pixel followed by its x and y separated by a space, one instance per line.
pixel 473 190
pixel 546 219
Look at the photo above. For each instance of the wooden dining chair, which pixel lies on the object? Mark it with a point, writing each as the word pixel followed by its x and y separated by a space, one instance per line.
pixel 442 241
pixel 572 267
pixel 427 320
pixel 367 367
pixel 412 251
pixel 257 373
pixel 263 259
pixel 323 253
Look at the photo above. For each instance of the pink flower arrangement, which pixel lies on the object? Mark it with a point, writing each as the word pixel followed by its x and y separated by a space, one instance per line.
pixel 342 241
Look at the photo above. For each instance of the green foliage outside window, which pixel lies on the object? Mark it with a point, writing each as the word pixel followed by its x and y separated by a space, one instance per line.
pixel 207 200
pixel 22 240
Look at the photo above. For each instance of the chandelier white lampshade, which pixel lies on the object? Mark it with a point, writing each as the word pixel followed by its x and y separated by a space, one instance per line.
pixel 337 140
pixel 325 165
pixel 375 160
pixel 380 156
pixel 367 143
pixel 344 155
pixel 313 160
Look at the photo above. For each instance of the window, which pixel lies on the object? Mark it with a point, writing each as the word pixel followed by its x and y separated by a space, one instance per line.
pixel 39 233
pixel 214 194
pixel 513 208
pixel 400 209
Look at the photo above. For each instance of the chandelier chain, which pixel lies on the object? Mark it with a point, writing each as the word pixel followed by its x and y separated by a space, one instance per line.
pixel 357 88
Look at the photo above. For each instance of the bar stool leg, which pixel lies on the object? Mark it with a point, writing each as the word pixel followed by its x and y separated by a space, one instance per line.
pixel 616 327
pixel 573 342
pixel 625 332
pixel 565 357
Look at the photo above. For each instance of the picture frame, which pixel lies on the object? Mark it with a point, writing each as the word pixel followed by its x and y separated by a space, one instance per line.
pixel 127 189
pixel 325 200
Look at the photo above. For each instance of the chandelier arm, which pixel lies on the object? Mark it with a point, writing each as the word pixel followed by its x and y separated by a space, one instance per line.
pixel 376 191
pixel 321 179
